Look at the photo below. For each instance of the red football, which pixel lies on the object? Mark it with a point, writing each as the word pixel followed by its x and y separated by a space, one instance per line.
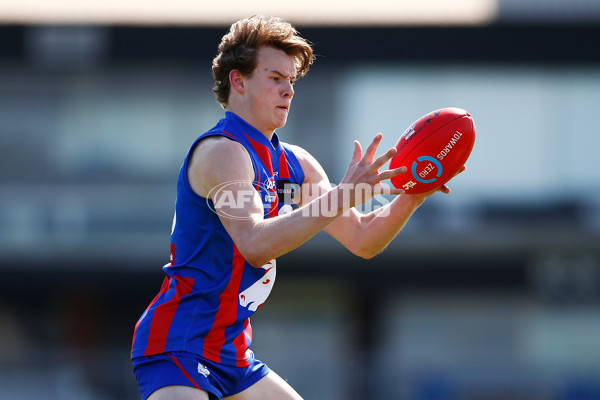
pixel 433 149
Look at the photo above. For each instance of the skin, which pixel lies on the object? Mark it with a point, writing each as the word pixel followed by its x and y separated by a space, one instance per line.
pixel 271 387
pixel 263 99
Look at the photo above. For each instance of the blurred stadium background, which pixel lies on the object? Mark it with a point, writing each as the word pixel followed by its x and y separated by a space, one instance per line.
pixel 492 292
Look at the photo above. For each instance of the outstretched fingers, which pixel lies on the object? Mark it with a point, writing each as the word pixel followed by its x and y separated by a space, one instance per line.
pixel 390 173
pixel 384 158
pixel 357 155
pixel 373 164
pixel 372 148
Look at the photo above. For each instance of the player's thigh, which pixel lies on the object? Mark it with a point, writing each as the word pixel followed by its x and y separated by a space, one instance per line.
pixel 177 392
pixel 271 387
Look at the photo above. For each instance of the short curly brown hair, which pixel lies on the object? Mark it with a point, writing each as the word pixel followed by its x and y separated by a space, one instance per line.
pixel 238 50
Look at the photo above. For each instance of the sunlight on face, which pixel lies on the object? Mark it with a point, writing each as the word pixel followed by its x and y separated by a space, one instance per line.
pixel 269 90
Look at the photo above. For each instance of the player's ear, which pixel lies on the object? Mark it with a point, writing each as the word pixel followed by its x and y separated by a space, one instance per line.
pixel 236 80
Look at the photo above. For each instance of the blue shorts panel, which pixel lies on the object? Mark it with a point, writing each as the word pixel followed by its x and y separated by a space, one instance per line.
pixel 189 369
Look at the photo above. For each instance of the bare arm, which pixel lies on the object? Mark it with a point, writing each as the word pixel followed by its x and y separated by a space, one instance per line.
pixel 216 161
pixel 365 235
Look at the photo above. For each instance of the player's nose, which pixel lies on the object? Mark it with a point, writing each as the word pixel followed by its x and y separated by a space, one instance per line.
pixel 288 90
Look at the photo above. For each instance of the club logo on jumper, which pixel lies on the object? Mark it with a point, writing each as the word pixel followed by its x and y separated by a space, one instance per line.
pixel 202 370
pixel 254 296
pixel 271 195
pixel 270 185
pixel 426 166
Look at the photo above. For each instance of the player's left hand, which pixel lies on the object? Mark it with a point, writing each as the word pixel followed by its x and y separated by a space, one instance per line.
pixel 444 188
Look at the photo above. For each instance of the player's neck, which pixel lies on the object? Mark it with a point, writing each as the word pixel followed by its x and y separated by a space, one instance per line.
pixel 248 116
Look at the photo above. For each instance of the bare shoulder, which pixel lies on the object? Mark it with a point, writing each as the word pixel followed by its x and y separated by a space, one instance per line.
pixel 215 160
pixel 301 154
pixel 313 170
pixel 217 147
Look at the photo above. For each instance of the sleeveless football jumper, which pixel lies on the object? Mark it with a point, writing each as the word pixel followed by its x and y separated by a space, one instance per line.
pixel 210 291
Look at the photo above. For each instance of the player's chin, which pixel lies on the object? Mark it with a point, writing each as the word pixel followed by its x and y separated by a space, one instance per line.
pixel 281 120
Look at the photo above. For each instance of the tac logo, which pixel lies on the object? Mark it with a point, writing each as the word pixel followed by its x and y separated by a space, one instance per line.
pixel 409 185
pixel 426 169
